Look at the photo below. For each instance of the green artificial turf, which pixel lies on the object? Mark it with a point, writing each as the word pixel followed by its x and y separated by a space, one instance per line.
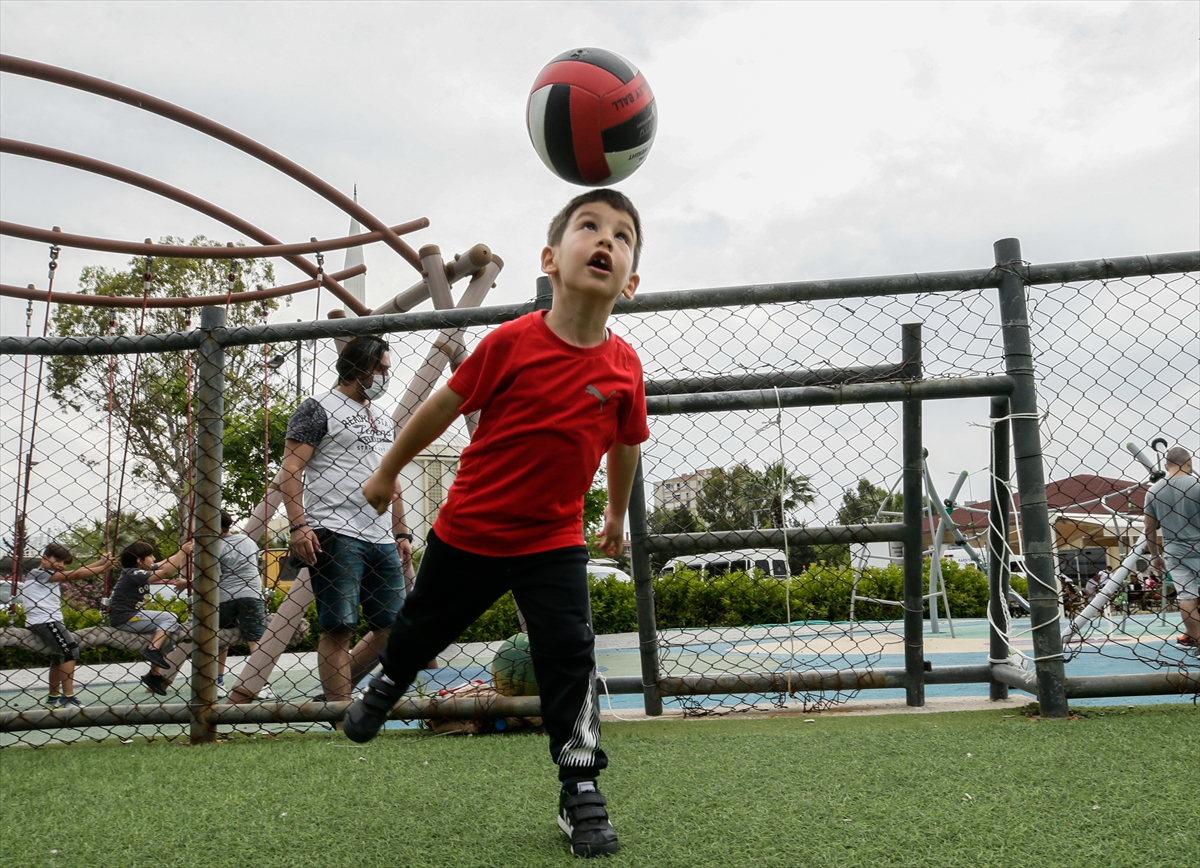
pixel 1119 787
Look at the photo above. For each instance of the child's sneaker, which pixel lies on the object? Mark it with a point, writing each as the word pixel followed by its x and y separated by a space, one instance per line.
pixel 156 684
pixel 51 700
pixel 69 702
pixel 1185 641
pixel 266 692
pixel 366 716
pixel 584 819
pixel 156 657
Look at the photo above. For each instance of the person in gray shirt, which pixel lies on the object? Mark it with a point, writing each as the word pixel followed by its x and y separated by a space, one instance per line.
pixel 1173 506
pixel 241 603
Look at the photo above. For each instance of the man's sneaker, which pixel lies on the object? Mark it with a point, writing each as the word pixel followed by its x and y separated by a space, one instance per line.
pixel 51 701
pixel 156 657
pixel 366 716
pixel 1186 641
pixel 583 819
pixel 266 692
pixel 156 684
pixel 69 702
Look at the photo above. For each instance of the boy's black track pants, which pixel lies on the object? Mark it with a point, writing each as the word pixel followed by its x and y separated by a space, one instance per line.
pixel 454 587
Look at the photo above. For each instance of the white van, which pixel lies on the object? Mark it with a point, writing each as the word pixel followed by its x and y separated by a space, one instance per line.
pixel 772 562
pixel 603 568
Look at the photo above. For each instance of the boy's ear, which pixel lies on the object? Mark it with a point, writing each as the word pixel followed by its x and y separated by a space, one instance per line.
pixel 549 266
pixel 631 287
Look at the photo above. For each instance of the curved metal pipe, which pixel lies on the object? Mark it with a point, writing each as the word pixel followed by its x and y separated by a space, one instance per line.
pixel 220 132
pixel 161 188
pixel 182 251
pixel 33 293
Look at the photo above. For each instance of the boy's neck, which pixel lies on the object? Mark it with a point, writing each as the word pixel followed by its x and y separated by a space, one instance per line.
pixel 579 322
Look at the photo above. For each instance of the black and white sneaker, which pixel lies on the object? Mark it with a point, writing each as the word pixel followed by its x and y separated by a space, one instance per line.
pixel 156 657
pixel 365 717
pixel 156 684
pixel 584 819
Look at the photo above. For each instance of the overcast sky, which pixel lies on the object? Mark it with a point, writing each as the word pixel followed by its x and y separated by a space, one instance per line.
pixel 795 140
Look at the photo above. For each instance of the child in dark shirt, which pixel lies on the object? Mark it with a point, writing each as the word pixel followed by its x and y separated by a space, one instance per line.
pixel 126 612
pixel 556 392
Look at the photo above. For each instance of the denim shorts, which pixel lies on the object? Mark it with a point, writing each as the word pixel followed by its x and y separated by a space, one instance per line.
pixel 350 573
pixel 248 614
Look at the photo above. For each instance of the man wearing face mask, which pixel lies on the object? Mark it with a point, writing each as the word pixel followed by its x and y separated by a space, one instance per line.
pixel 334 443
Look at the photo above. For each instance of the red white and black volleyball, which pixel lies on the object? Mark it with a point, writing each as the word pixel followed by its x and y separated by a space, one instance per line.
pixel 591 117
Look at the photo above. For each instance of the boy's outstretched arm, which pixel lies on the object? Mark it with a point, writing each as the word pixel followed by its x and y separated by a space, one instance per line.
pixel 85 572
pixel 622 466
pixel 426 425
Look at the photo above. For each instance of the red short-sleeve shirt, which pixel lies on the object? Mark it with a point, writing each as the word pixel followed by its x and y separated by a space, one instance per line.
pixel 548 413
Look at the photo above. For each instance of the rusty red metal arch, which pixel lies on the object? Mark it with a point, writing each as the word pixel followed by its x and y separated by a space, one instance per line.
pixel 32 293
pixel 90 84
pixel 189 251
pixel 167 191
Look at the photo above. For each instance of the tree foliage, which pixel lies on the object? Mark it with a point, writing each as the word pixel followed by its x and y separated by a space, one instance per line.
pixel 148 395
pixel 741 498
pixel 862 504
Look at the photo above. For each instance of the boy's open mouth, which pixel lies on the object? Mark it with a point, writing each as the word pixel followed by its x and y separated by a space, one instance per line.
pixel 601 262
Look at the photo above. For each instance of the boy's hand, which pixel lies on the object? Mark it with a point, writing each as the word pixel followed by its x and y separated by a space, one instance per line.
pixel 380 491
pixel 180 584
pixel 188 547
pixel 611 539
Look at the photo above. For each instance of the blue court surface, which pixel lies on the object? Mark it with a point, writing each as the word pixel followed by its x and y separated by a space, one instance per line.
pixel 1140 644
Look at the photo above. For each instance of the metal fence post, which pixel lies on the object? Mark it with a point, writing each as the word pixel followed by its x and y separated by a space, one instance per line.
pixel 914 510
pixel 210 429
pixel 998 565
pixel 1031 482
pixel 643 589
pixel 544 299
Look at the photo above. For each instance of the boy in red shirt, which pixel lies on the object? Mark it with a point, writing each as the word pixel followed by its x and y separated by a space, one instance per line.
pixel 556 391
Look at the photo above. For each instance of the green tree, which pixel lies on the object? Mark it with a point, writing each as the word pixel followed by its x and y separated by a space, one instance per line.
pixel 678 520
pixel 863 503
pixel 87 539
pixel 741 498
pixel 149 394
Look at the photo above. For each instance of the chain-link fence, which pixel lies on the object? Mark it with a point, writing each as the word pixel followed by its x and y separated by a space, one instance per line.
pixel 791 539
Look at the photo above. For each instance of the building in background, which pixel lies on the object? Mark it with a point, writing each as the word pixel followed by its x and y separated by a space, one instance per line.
pixel 670 494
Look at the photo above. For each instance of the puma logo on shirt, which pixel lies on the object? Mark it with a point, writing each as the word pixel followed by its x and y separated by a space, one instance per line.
pixel 592 390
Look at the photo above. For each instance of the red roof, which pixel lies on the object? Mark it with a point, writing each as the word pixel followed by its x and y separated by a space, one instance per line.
pixel 1084 493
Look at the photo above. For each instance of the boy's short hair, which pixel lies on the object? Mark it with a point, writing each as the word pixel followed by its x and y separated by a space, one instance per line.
pixel 359 357
pixel 59 553
pixel 614 198
pixel 134 552
pixel 226 520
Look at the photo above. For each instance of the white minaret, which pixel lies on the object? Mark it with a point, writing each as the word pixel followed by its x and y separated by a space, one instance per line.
pixel 354 256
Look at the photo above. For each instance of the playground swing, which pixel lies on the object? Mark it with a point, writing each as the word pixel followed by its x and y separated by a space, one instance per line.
pixel 24 474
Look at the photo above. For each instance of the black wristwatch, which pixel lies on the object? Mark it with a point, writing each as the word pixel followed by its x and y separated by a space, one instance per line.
pixel 404 536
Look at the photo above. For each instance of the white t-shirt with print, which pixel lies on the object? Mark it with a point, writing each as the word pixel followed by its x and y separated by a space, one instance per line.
pixel 42 597
pixel 349 440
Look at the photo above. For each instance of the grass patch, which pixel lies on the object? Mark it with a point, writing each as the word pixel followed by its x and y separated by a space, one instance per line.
pixel 993 788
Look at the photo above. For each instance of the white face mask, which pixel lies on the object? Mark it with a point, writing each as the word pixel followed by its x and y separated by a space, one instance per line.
pixel 377 389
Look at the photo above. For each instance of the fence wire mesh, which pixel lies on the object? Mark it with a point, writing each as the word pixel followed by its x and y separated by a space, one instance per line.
pixel 96 471
pixel 1119 373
